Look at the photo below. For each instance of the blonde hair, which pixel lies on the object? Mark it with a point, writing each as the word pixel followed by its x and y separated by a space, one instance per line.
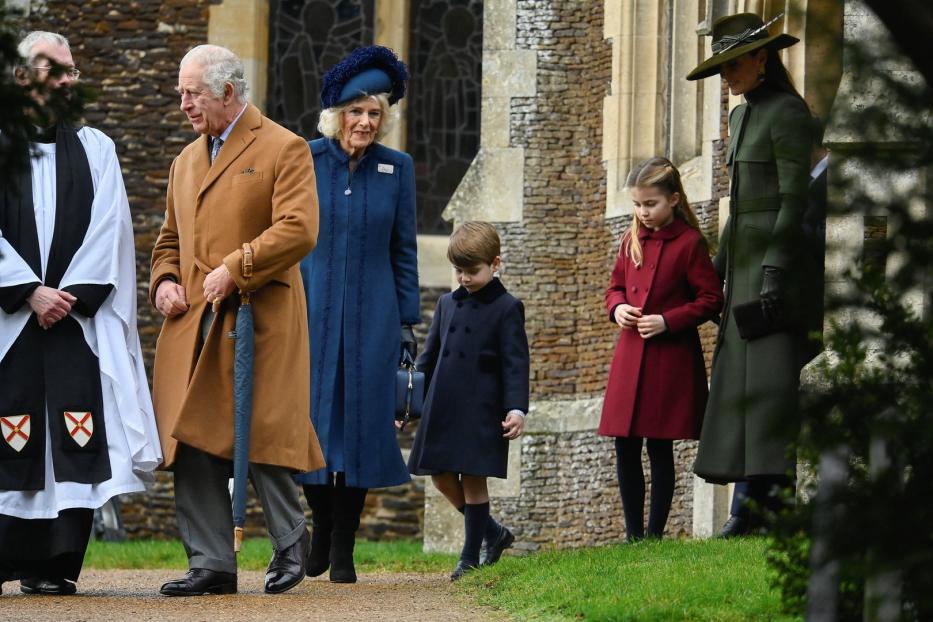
pixel 331 120
pixel 474 242
pixel 657 173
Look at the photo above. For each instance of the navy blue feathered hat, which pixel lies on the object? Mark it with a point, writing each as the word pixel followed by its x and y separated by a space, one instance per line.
pixel 366 71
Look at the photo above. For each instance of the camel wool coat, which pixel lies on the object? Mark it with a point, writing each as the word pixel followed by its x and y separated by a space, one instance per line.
pixel 259 190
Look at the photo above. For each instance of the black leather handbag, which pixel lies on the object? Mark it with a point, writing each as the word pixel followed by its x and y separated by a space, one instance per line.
pixel 752 323
pixel 409 391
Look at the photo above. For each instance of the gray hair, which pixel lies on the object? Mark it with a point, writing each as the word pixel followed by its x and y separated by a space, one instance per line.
pixel 330 122
pixel 220 66
pixel 36 37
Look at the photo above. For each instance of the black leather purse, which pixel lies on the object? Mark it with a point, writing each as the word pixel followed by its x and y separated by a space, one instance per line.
pixel 409 391
pixel 752 323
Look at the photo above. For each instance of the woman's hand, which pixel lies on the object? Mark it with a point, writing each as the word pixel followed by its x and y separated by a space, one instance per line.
pixel 627 316
pixel 651 326
pixel 772 293
pixel 514 425
pixel 409 343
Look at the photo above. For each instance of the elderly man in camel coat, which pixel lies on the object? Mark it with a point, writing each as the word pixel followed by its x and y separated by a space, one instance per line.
pixel 241 211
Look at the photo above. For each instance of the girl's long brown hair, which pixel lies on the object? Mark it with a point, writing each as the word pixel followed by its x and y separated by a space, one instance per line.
pixel 657 173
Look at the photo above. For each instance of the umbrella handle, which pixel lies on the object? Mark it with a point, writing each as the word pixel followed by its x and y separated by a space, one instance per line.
pixel 237 539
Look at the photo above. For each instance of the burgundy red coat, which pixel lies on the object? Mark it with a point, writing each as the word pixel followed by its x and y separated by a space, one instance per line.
pixel 657 387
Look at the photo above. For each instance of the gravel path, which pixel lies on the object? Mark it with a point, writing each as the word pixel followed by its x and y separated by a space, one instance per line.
pixel 133 595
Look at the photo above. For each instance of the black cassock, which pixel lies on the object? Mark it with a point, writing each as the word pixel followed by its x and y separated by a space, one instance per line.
pixel 49 375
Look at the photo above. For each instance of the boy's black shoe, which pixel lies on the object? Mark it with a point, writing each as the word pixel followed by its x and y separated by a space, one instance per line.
pixel 199 581
pixel 461 569
pixel 56 587
pixel 495 548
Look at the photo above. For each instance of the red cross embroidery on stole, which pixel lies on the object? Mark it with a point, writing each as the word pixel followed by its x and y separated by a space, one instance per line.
pixel 15 429
pixel 77 422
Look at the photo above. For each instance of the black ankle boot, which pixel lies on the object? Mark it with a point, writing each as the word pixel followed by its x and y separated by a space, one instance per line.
pixel 342 569
pixel 321 501
pixel 319 557
pixel 348 506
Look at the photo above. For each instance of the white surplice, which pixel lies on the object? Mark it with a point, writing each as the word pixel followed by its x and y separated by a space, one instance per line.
pixel 107 256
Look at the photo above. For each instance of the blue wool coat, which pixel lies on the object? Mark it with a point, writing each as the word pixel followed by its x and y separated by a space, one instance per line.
pixel 362 284
pixel 475 362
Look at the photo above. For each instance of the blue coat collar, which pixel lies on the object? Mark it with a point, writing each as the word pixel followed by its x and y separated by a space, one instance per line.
pixel 490 292
pixel 333 145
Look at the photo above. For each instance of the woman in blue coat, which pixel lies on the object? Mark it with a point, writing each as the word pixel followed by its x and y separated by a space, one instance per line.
pixel 361 282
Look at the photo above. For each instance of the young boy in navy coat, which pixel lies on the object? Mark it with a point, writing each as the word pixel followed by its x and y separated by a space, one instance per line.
pixel 475 362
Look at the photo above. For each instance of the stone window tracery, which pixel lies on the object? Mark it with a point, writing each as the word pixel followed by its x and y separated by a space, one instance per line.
pixel 445 59
pixel 305 40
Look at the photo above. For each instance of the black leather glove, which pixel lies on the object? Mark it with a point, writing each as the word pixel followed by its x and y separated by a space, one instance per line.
pixel 409 343
pixel 772 294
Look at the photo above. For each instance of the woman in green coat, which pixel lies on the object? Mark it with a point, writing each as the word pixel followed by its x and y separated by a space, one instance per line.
pixel 751 421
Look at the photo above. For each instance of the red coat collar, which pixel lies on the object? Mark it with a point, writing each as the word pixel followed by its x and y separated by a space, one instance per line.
pixel 671 231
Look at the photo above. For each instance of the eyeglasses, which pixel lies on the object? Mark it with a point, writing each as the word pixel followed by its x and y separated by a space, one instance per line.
pixel 74 72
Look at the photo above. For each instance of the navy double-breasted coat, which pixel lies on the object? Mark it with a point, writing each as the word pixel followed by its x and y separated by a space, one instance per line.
pixel 361 284
pixel 475 362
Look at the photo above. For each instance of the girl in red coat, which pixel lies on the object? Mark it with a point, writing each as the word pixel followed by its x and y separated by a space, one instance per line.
pixel 663 286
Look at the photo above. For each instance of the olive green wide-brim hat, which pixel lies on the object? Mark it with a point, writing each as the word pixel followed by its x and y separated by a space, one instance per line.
pixel 734 35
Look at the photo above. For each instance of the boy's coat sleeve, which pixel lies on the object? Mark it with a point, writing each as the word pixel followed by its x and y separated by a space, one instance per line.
pixel 515 359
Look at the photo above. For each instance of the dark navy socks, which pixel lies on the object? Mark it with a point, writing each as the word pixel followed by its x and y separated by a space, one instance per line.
pixel 475 522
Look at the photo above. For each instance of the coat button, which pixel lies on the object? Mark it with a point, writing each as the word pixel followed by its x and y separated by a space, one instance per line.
pixel 651 266
pixel 634 289
pixel 462 355
pixel 459 305
pixel 453 329
pixel 466 329
pixel 475 306
pixel 446 352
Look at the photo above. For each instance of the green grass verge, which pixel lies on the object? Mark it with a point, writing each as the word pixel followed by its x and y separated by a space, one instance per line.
pixel 672 580
pixel 395 556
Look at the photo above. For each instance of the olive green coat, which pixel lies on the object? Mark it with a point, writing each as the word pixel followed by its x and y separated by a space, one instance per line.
pixel 752 418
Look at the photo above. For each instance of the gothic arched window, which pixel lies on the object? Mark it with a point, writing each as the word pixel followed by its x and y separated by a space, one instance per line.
pixel 306 38
pixel 444 102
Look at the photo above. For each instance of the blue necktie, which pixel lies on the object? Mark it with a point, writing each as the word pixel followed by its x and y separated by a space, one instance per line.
pixel 215 148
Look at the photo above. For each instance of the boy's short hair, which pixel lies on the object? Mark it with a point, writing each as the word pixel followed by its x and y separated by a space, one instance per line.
pixel 474 242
